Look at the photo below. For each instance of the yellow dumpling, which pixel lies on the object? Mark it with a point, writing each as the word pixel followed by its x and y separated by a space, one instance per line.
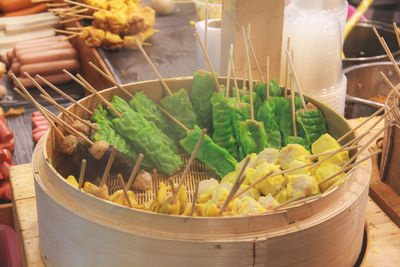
pixel 302 184
pixel 298 163
pixel 270 155
pixel 206 190
pixel 268 202
pixel 327 143
pixel 249 205
pixel 72 181
pixel 90 188
pixel 325 170
pixel 271 184
pixel 252 162
pixel 293 152
pixel 282 195
pixel 232 176
pixel 252 192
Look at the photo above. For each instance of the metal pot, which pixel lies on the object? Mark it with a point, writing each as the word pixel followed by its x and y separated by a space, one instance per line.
pixel 362 45
pixel 364 81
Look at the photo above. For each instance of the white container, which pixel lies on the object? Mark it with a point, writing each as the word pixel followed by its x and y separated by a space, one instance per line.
pixel 213 43
pixel 316 29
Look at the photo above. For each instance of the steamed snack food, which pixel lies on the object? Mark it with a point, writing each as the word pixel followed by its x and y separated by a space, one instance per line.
pixel 214 156
pixel 95 190
pixel 119 24
pixel 203 88
pixel 179 106
pixel 222 116
pixel 312 122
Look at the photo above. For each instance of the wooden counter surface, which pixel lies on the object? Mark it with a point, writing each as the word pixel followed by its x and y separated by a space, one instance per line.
pixel 383 246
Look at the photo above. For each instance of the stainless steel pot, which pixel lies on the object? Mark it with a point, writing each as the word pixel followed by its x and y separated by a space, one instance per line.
pixel 364 81
pixel 362 45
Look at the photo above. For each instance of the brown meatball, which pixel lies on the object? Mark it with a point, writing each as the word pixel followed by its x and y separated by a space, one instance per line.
pixel 98 149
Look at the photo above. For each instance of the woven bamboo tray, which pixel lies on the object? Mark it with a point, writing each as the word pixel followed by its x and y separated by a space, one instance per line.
pixel 78 229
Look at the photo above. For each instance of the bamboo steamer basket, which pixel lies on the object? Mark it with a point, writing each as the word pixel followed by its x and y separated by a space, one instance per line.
pixel 78 229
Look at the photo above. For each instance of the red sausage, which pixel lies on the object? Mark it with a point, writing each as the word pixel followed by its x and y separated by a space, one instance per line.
pixel 52 67
pixel 38 135
pixel 5 155
pixel 50 55
pixel 15 68
pixel 38 118
pixel 40 123
pixel 40 128
pixel 5 133
pixel 46 46
pixel 36 113
pixel 9 145
pixel 53 78
pixel 5 192
pixel 4 169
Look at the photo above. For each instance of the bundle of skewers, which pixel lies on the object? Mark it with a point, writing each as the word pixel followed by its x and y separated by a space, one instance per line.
pixel 266 150
pixel 114 23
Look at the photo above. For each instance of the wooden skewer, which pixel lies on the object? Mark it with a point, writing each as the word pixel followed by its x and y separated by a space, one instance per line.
pixel 40 1
pixel 396 31
pixel 352 141
pixel 49 84
pixel 153 67
pixel 253 52
pixel 70 14
pixel 284 204
pixel 296 80
pixel 108 167
pixel 287 69
pixel 75 79
pixel 84 5
pixel 229 72
pixel 70 37
pixel 315 156
pixel 82 173
pixel 173 118
pixel 56 4
pixel 365 146
pixel 348 167
pixel 246 67
pixel 250 73
pixel 234 77
pixel 195 195
pixel 94 91
pixel 253 184
pixel 67 112
pixel 386 79
pixel 293 106
pixel 69 20
pixel 239 180
pixel 135 170
pixel 121 181
pixel 361 124
pixel 267 85
pixel 110 79
pixel 208 60
pixel 191 159
pixel 74 29
pixel 28 97
pixel 37 85
pixel 69 128
pixel 387 50
pixel 233 191
pixel 63 31
pixel 75 11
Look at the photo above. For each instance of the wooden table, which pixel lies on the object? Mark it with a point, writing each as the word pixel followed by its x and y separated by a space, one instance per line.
pixel 383 247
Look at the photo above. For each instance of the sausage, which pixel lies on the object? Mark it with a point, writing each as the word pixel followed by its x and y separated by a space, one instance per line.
pixel 5 133
pixel 8 59
pixel 37 135
pixel 8 6
pixel 37 114
pixel 53 78
pixel 52 67
pixel 27 11
pixel 51 55
pixel 15 68
pixel 5 155
pixel 38 42
pixel 4 169
pixel 38 129
pixel 37 124
pixel 9 145
pixel 44 47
